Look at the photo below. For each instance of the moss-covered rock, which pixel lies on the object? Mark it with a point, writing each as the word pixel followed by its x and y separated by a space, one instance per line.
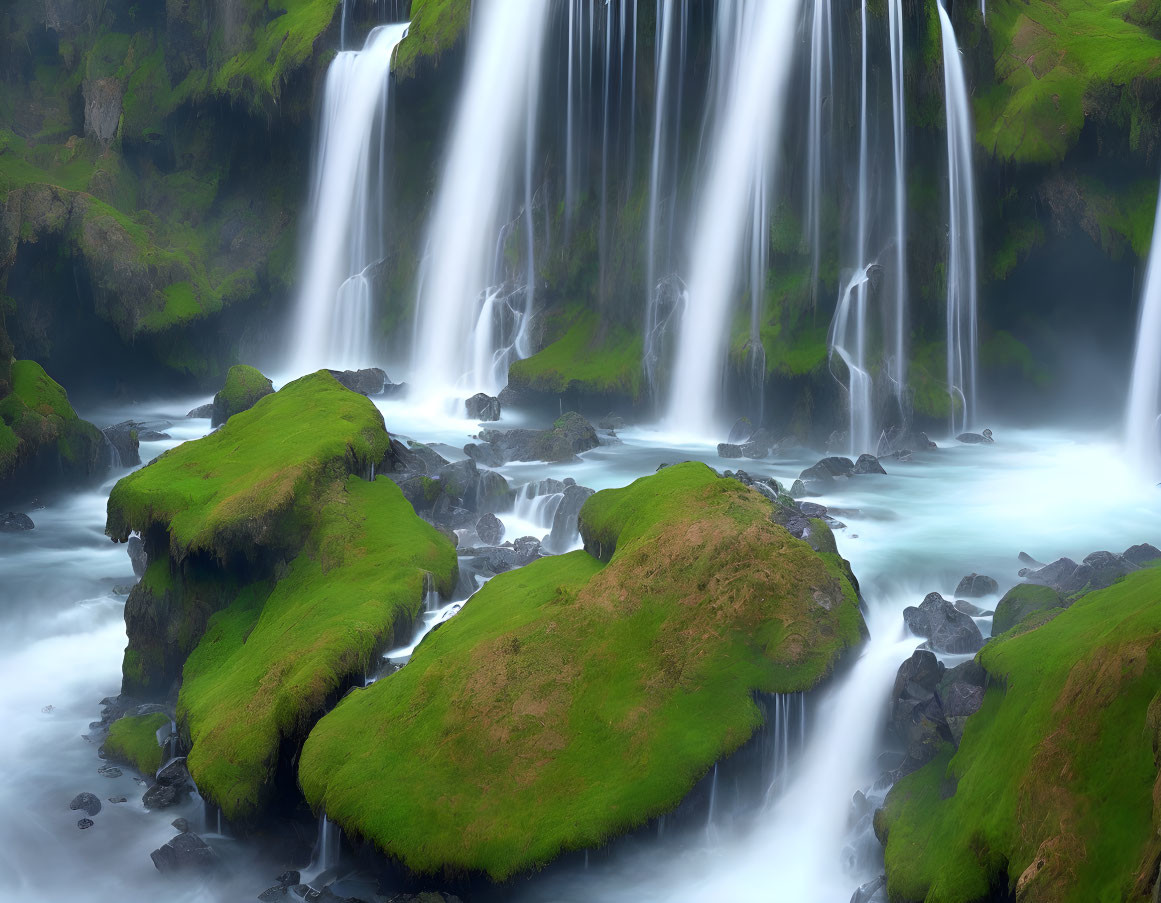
pixel 243 389
pixel 1021 601
pixel 132 740
pixel 436 27
pixel 43 443
pixel 578 697
pixel 1052 791
pixel 276 571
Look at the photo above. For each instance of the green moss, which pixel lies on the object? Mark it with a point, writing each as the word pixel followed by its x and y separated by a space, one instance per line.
pixel 1123 216
pixel 1050 57
pixel 133 740
pixel 254 481
pixel 436 27
pixel 585 358
pixel 572 700
pixel 243 389
pixel 1002 352
pixel 1023 600
pixel 1054 777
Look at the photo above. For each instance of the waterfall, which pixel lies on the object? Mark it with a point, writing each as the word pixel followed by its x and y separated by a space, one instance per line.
pixel 462 266
pixel 898 369
pixel 962 328
pixel 335 306
pixel 821 87
pixel 762 38
pixel 326 848
pixel 1144 410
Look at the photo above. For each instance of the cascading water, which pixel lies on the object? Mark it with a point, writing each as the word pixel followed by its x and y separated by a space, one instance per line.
pixel 898 368
pixel 821 86
pixel 1144 410
pixel 762 37
pixel 334 326
pixel 460 275
pixel 962 327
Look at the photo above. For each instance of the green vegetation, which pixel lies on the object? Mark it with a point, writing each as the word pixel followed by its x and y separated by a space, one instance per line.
pixel 244 388
pixel 1003 353
pixel 257 481
pixel 585 358
pixel 1050 59
pixel 1052 788
pixel 268 664
pixel 133 740
pixel 1020 602
pixel 573 699
pixel 436 26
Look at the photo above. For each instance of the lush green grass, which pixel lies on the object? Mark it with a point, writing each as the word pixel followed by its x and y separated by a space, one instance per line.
pixel 133 740
pixel 573 700
pixel 436 26
pixel 1020 601
pixel 268 663
pixel 1050 55
pixel 255 481
pixel 585 358
pixel 1055 774
pixel 36 418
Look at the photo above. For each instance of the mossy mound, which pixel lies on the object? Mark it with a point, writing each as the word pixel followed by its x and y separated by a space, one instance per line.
pixel 276 571
pixel 133 741
pixel 244 387
pixel 1052 790
pixel 575 699
pixel 1021 601
pixel 42 440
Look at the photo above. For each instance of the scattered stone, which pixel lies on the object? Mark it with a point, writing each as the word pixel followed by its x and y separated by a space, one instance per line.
pixel 109 771
pixel 160 796
pixel 975 585
pixel 117 799
pixel 85 823
pixel 570 435
pixel 202 412
pixel 181 825
pixel 868 464
pixel 369 381
pixel 87 802
pixel 727 450
pixel 1142 554
pixel 828 468
pixel 490 529
pixel 984 438
pixel 184 852
pixel 15 522
pixel 946 629
pixel 483 407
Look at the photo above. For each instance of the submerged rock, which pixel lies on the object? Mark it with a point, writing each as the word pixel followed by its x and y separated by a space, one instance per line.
pixel 186 852
pixel 88 802
pixel 868 464
pixel 15 522
pixel 975 585
pixel 85 823
pixel 945 628
pixel 244 388
pixel 483 407
pixel 569 435
pixel 984 438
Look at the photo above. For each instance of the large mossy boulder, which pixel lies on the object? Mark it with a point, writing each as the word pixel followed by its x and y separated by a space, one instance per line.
pixel 43 443
pixel 276 573
pixel 244 388
pixel 1053 792
pixel 1021 602
pixel 133 740
pixel 576 698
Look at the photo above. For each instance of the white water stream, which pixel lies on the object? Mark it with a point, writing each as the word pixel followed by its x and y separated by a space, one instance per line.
pixel 1143 418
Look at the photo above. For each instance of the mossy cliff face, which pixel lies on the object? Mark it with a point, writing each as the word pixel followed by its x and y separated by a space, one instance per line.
pixel 1053 791
pixel 43 443
pixel 578 697
pixel 276 572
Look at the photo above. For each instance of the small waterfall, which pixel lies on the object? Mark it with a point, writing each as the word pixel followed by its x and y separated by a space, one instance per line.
pixel 537 503
pixel 493 127
pixel 785 736
pixel 820 91
pixel 335 306
pixel 1143 419
pixel 710 827
pixel 760 41
pixel 326 849
pixel 898 364
pixel 962 327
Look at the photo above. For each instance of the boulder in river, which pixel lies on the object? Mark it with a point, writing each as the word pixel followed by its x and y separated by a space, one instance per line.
pixel 741 432
pixel 490 529
pixel 564 521
pixel 945 629
pixel 369 381
pixel 162 796
pixel 868 464
pixel 916 714
pixel 975 585
pixel 15 522
pixel 483 407
pixel 85 823
pixel 828 469
pixel 87 802
pixel 124 440
pixel 185 852
pixel 1098 571
pixel 568 436
pixel 984 438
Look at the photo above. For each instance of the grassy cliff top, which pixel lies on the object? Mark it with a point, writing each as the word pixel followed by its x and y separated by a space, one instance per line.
pixel 1052 789
pixel 36 413
pixel 270 661
pixel 255 480
pixel 573 700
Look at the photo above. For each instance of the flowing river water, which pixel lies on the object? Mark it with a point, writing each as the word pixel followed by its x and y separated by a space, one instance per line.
pixel 947 513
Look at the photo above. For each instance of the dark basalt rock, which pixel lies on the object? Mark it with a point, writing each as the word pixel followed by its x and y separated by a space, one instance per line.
pixel 945 628
pixel 828 469
pixel 570 435
pixel 84 823
pixel 1052 575
pixel 1098 571
pixel 202 412
pixel 289 878
pixel 916 714
pixel 369 381
pixel 1025 558
pixel 527 549
pixel 741 432
pixel 87 802
pixel 868 464
pixel 125 441
pixel 137 555
pixel 564 522
pixel 490 529
pixel 975 585
pixel 483 407
pixel 984 438
pixel 180 825
pixel 1141 554
pixel 486 455
pixel 184 852
pixel 897 441
pixel 15 522
pixel 174 773
pixel 161 796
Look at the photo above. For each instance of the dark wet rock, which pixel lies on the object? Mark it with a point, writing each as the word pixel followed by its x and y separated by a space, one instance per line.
pixel 984 438
pixel 741 432
pixel 917 716
pixel 15 522
pixel 945 629
pixel 1025 558
pixel 84 823
pixel 202 412
pixel 493 492
pixel 174 773
pixel 369 381
pixel 137 555
pixel 872 892
pixel 485 454
pixel 798 490
pixel 183 853
pixel 426 457
pixel 868 464
pixel 124 440
pixel 527 549
pixel 277 892
pixel 897 441
pixel 828 469
pixel 758 447
pixel 161 796
pixel 483 407
pixel 490 529
pixel 1141 554
pixel 729 451
pixel 180 825
pixel 564 522
pixel 492 561
pixel 812 509
pixel 289 878
pixel 611 422
pixel 975 585
pixel 972 611
pixel 1053 575
pixel 570 435
pixel 86 802
pixel 145 434
pixel 1098 571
